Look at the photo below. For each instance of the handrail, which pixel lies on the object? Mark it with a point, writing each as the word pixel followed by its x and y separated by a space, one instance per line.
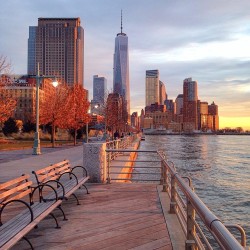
pixel 214 225
pixel 173 183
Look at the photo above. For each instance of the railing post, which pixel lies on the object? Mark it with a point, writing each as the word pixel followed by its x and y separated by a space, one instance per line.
pixel 191 231
pixel 162 173
pixel 164 176
pixel 109 159
pixel 173 195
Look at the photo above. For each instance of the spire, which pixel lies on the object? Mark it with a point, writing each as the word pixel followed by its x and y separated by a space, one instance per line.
pixel 121 21
pixel 121 33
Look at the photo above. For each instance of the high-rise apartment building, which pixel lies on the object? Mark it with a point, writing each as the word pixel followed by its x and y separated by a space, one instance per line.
pixel 163 94
pixel 152 87
pixel 57 45
pixel 213 116
pixel 99 89
pixel 179 104
pixel 121 68
pixel 32 50
pixel 190 112
pixel 99 94
pixel 202 115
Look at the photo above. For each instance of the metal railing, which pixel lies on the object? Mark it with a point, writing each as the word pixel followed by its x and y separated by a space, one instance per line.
pixel 120 144
pixel 203 230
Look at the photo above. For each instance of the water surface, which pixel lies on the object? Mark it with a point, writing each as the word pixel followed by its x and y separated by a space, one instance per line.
pixel 219 166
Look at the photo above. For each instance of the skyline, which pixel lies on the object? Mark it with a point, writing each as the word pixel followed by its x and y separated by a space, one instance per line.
pixel 207 41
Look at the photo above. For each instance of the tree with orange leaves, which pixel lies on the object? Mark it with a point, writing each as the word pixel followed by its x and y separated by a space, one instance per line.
pixel 53 108
pixel 77 106
pixel 7 103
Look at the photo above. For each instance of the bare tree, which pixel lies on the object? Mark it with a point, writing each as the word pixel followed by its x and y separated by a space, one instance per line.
pixel 5 65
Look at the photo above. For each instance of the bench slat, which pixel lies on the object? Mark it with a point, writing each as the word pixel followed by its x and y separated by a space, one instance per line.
pixel 14 181
pixel 12 241
pixel 21 189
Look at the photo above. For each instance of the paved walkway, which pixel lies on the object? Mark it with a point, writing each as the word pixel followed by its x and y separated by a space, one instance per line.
pixel 14 163
pixel 114 216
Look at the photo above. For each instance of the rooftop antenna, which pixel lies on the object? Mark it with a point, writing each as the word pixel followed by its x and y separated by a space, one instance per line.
pixel 121 21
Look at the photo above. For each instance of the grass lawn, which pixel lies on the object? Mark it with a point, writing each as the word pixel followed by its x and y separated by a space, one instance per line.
pixel 21 144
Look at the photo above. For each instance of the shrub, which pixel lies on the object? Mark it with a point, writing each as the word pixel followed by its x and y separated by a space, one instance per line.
pixel 10 126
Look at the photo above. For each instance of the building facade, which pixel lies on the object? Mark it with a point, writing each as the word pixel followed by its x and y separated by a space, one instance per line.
pixel 163 94
pixel 213 116
pixel 116 113
pixel 179 104
pixel 57 45
pixel 190 111
pixel 99 94
pixel 155 107
pixel 152 87
pixel 202 116
pixel 121 68
pixel 32 50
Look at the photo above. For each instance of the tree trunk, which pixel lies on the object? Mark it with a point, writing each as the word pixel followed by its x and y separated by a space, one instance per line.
pixel 75 132
pixel 53 135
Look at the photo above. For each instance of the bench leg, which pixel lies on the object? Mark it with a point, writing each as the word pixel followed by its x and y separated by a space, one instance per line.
pixel 78 203
pixel 64 217
pixel 26 239
pixel 57 225
pixel 86 188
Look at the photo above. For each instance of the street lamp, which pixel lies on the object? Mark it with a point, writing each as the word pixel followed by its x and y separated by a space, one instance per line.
pixel 36 147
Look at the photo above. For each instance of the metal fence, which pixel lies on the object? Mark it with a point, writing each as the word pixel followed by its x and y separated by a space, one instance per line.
pixel 203 230
pixel 119 144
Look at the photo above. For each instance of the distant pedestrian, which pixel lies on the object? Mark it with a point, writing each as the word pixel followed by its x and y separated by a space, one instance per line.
pixel 116 135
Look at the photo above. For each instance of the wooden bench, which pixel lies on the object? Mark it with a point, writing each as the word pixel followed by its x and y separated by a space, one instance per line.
pixel 66 179
pixel 19 196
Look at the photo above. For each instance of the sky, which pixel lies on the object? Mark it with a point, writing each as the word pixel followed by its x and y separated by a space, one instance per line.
pixel 206 40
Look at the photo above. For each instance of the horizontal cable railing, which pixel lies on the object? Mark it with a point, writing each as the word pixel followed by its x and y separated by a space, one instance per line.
pixel 202 228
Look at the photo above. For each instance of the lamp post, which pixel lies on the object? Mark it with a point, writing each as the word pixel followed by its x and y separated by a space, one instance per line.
pixel 37 147
pixel 87 132
pixel 87 129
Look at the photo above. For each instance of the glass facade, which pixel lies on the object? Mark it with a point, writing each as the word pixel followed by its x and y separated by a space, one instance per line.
pixel 152 87
pixel 121 68
pixel 32 50
pixel 99 89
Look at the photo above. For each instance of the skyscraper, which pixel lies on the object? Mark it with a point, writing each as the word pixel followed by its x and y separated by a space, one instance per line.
pixel 121 68
pixel 99 89
pixel 163 94
pixel 190 98
pixel 57 45
pixel 179 104
pixel 214 117
pixel 99 94
pixel 152 87
pixel 32 50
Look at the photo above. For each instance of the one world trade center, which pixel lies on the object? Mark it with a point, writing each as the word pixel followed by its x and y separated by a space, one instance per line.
pixel 121 68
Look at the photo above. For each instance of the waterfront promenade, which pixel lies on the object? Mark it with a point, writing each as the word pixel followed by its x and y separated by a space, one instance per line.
pixel 112 216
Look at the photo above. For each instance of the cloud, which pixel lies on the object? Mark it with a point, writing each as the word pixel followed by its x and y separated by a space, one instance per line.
pixel 207 40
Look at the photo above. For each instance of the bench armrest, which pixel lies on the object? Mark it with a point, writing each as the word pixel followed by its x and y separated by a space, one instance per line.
pixel 83 168
pixel 40 189
pixel 12 201
pixel 70 174
pixel 59 184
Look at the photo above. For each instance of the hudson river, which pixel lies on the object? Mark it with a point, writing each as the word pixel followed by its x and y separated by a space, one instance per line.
pixel 219 166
